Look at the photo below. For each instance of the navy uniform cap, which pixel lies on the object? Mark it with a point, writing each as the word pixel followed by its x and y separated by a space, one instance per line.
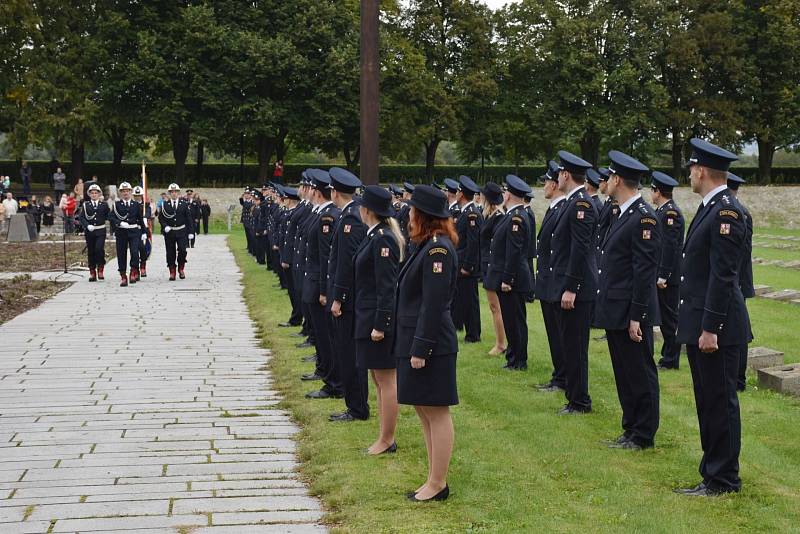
pixel 605 174
pixel 664 181
pixel 467 184
pixel 279 189
pixel 291 192
pixel 593 177
pixel 343 180
pixel 430 200
pixel 552 172
pixel 529 195
pixel 493 193
pixel 377 199
pixel 572 163
pixel 304 177
pixel 626 166
pixel 735 181
pixel 451 185
pixel 319 179
pixel 409 187
pixel 396 191
pixel 710 155
pixel 517 186
pixel 437 185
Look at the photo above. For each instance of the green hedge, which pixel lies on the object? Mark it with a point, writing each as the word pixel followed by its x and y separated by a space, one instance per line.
pixel 228 175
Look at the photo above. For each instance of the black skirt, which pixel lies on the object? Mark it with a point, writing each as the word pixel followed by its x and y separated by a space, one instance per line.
pixel 375 354
pixel 433 385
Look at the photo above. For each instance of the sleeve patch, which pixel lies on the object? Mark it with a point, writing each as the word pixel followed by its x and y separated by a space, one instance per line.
pixel 437 250
pixel 583 204
pixel 514 227
pixel 472 222
pixel 645 234
pixel 648 220
pixel 725 229
pixel 347 228
pixel 437 267
pixel 327 218
pixel 728 213
pixel 672 213
pixel 326 228
pixel 385 252
pixel 670 221
pixel 581 214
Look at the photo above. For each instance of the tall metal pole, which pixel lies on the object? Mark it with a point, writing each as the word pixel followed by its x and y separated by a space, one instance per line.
pixel 241 159
pixel 370 92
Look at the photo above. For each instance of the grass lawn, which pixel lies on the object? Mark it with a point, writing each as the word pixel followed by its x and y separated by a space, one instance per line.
pixel 517 466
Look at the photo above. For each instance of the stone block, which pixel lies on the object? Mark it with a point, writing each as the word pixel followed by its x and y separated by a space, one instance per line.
pixel 763 357
pixel 783 378
pixel 762 290
pixel 21 228
pixel 783 295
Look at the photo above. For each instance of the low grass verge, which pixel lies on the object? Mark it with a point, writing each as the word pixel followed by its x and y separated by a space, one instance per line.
pixel 517 466
pixel 20 294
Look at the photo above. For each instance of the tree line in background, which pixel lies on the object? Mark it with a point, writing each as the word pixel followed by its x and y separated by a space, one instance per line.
pixel 510 86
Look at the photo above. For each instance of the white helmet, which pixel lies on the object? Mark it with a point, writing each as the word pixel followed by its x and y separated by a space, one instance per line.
pixel 95 187
pixel 173 187
pixel 124 185
pixel 138 191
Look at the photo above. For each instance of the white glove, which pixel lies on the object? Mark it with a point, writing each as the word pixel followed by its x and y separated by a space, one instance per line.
pixel 144 238
pixel 91 227
pixel 167 229
pixel 191 236
pixel 124 225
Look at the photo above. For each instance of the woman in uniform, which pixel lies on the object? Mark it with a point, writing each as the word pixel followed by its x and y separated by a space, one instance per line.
pixel 425 340
pixel 492 213
pixel 377 264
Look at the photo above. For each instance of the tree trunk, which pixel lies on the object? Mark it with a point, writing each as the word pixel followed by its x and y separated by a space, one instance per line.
pixel 116 136
pixel 677 154
pixel 590 146
pixel 265 146
pixel 78 153
pixel 430 158
pixel 200 157
pixel 766 151
pixel 350 157
pixel 180 149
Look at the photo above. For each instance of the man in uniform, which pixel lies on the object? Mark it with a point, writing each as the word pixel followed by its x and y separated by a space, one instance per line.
pixel 745 277
pixel 531 254
pixel 468 227
pixel 548 295
pixel 608 212
pixel 177 227
pixel 126 217
pixel 348 233
pixel 508 273
pixel 93 215
pixel 246 201
pixel 574 265
pixel 712 318
pixel 627 305
pixel 145 246
pixel 670 222
pixel 259 228
pixel 315 284
pixel 451 191
pixel 592 188
pixel 290 223
pixel 195 210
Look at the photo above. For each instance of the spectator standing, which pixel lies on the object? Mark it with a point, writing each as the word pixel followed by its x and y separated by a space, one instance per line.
pixel 277 174
pixel 5 184
pixel 59 183
pixel 205 212
pixel 10 208
pixel 48 210
pixel 79 189
pixel 25 176
pixel 70 206
pixel 36 212
pixel 2 218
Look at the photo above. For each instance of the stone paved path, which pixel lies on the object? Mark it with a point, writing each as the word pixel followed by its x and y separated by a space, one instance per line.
pixel 146 409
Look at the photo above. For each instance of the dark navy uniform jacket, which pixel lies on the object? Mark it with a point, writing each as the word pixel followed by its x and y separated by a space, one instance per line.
pixel 531 242
pixel 573 257
pixel 318 248
pixel 176 218
pixel 746 267
pixel 545 289
pixel 88 214
pixel 608 211
pixel 468 226
pixel 488 229
pixel 628 267
pixel 377 266
pixel 131 214
pixel 425 289
pixel 305 219
pixel 670 220
pixel 508 262
pixel 348 233
pixel 711 299
pixel 294 216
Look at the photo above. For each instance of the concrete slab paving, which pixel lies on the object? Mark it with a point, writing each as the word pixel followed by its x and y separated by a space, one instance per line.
pixel 146 409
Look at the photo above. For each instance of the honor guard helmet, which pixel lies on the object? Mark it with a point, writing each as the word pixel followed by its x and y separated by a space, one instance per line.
pixel 138 191
pixel 173 187
pixel 95 187
pixel 124 185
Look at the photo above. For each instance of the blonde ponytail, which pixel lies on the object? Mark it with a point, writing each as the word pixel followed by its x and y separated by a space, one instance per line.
pixel 398 235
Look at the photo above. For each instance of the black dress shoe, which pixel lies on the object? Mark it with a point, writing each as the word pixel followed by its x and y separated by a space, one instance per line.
pixel 549 388
pixel 345 417
pixel 622 438
pixel 304 345
pixel 666 368
pixel 309 359
pixel 569 410
pixel 298 334
pixel 707 491
pixel 310 376
pixel 441 496
pixel 287 325
pixel 686 491
pixel 391 449
pixel 629 445
pixel 472 340
pixel 322 394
